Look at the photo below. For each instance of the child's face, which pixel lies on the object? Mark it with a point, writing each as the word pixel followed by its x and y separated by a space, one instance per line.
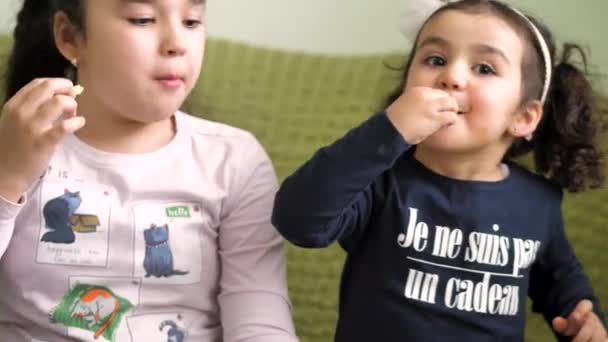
pixel 476 58
pixel 140 59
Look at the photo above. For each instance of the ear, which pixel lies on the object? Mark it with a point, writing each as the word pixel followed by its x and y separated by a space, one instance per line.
pixel 67 38
pixel 526 120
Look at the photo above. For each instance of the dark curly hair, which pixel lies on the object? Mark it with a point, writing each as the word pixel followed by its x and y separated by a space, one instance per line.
pixel 564 143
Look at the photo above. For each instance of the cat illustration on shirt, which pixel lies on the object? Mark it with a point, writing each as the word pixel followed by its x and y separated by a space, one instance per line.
pixel 57 214
pixel 93 308
pixel 158 259
pixel 97 307
pixel 174 333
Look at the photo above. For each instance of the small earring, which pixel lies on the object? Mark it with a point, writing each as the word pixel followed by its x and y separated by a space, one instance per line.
pixel 72 72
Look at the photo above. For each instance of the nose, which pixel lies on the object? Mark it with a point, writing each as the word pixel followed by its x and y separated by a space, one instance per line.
pixel 172 38
pixel 453 77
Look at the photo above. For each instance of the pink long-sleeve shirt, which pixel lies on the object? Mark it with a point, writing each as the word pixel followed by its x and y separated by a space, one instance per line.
pixel 172 245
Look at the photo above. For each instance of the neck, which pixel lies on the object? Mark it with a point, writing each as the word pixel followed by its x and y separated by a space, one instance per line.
pixel 115 133
pixel 478 166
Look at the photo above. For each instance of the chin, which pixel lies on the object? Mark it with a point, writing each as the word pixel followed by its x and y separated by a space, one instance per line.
pixel 442 143
pixel 158 118
pixel 148 118
pixel 442 138
pixel 153 114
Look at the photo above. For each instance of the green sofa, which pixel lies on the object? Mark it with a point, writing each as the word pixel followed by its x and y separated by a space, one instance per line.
pixel 296 102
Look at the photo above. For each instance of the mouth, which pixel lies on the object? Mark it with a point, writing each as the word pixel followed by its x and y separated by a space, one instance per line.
pixel 170 81
pixel 462 109
pixel 462 103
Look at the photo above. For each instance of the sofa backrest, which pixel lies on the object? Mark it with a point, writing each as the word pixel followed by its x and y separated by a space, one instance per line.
pixel 293 102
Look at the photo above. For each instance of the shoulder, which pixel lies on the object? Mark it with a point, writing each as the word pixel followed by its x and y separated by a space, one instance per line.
pixel 235 151
pixel 214 137
pixel 199 127
pixel 535 186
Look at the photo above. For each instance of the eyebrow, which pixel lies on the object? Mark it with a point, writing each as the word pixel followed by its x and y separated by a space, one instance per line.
pixel 480 48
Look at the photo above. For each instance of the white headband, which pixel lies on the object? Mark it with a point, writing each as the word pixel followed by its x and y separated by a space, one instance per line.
pixel 416 12
pixel 546 54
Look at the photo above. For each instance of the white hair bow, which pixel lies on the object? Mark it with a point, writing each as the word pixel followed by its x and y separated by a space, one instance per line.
pixel 415 13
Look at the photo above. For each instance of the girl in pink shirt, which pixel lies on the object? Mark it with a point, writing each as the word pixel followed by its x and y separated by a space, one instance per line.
pixel 122 218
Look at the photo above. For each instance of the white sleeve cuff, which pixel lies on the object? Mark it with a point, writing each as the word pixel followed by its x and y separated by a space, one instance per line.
pixel 10 209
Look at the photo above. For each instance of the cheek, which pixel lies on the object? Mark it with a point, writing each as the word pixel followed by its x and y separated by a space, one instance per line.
pixel 490 101
pixel 488 121
pixel 196 62
pixel 416 79
pixel 194 75
pixel 124 47
pixel 120 70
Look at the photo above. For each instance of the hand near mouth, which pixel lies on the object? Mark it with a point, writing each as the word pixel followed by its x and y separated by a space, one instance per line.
pixel 421 111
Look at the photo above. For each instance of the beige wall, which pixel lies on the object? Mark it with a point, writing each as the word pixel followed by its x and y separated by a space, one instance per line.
pixel 348 26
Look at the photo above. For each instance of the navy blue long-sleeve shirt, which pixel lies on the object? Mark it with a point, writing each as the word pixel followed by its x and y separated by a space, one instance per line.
pixel 430 258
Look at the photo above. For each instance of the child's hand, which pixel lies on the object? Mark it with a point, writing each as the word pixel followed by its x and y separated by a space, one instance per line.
pixel 421 111
pixel 583 324
pixel 30 130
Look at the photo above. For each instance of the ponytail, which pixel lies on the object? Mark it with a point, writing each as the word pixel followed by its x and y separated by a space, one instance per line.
pixel 34 53
pixel 564 143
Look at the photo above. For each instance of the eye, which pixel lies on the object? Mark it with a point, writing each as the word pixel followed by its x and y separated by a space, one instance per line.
pixel 141 21
pixel 435 61
pixel 192 23
pixel 484 69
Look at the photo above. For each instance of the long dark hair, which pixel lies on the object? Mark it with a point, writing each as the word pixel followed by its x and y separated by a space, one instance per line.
pixel 564 143
pixel 34 53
